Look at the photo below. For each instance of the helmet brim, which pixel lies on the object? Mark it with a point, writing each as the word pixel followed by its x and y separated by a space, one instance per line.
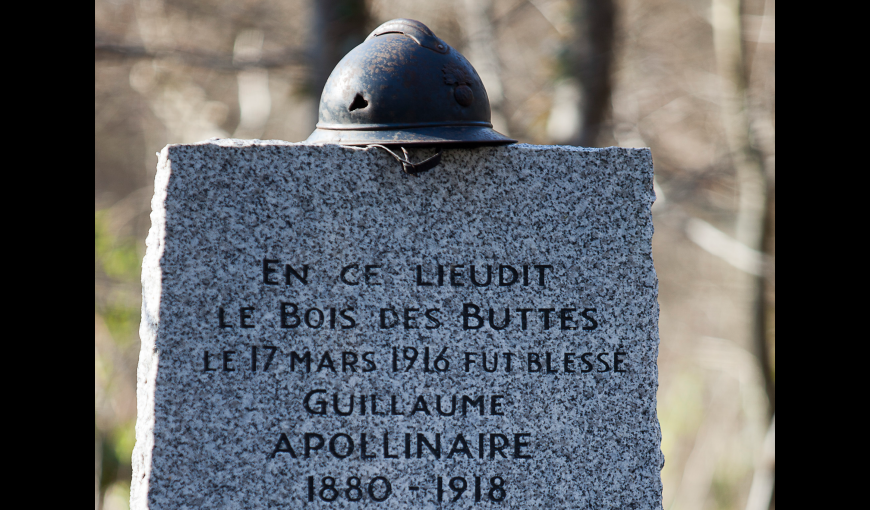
pixel 423 136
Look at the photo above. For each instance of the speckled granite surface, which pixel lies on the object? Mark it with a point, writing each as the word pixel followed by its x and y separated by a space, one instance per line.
pixel 554 384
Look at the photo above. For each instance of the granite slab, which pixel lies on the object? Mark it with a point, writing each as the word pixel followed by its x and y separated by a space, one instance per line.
pixel 321 330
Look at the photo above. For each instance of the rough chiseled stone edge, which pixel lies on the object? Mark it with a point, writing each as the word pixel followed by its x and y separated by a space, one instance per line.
pixel 146 373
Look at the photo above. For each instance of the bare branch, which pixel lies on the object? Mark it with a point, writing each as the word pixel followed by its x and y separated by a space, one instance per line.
pixel 106 50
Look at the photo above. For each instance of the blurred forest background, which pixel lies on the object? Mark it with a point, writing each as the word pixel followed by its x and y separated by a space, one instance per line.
pixel 692 79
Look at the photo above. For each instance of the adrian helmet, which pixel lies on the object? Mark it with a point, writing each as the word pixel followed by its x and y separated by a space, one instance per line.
pixel 404 86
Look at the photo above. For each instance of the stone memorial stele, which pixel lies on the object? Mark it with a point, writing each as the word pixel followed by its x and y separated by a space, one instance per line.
pixel 321 330
pixel 324 328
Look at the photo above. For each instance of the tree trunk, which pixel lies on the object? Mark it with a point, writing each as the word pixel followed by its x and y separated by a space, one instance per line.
pixel 339 26
pixel 754 215
pixel 590 63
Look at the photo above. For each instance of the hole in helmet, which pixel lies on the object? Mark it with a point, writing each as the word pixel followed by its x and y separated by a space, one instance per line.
pixel 358 103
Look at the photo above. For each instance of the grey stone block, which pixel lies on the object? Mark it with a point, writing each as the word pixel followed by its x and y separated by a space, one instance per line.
pixel 572 424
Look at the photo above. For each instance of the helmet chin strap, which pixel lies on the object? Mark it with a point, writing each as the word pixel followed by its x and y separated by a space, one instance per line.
pixel 412 168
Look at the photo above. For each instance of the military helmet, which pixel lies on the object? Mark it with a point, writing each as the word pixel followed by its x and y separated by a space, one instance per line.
pixel 404 86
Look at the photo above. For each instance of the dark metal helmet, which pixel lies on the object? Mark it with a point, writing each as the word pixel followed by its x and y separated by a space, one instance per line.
pixel 404 86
